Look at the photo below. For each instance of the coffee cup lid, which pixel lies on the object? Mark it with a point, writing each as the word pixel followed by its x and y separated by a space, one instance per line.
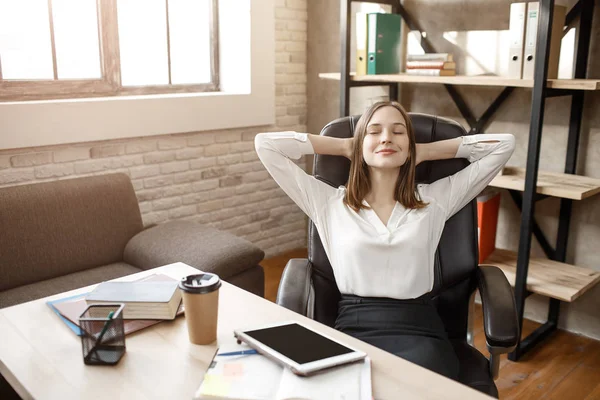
pixel 200 283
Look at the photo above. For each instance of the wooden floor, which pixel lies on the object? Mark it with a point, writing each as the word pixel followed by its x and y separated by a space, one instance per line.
pixel 566 366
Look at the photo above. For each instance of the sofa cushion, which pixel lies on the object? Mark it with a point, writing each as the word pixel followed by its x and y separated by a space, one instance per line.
pixel 64 283
pixel 56 228
pixel 202 247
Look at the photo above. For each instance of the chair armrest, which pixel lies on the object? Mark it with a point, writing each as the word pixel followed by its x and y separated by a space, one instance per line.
pixel 200 246
pixel 295 286
pixel 500 322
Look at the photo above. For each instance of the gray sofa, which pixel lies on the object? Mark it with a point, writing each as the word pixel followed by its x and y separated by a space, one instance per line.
pixel 66 234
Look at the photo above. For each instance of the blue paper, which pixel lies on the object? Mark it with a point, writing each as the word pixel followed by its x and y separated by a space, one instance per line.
pixel 70 324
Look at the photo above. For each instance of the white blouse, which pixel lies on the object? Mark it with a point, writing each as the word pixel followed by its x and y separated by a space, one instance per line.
pixel 368 258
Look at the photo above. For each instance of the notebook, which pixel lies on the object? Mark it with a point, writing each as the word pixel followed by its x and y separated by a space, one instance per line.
pixel 254 377
pixel 142 299
pixel 72 324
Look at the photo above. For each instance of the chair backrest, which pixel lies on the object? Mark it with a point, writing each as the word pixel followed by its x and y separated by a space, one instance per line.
pixel 457 253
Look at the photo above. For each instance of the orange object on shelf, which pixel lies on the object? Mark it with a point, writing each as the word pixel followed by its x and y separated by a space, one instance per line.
pixel 488 206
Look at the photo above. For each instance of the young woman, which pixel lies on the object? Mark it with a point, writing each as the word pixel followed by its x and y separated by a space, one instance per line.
pixel 381 231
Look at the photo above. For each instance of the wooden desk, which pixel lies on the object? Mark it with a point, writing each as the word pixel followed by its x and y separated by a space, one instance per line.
pixel 42 359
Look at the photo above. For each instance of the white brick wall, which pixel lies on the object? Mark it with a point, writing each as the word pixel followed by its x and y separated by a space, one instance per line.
pixel 212 177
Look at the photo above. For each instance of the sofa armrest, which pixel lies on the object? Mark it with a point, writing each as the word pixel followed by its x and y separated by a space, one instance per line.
pixel 500 321
pixel 202 247
pixel 295 286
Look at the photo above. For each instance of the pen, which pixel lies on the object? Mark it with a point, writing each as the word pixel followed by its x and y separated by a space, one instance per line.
pixel 105 328
pixel 238 353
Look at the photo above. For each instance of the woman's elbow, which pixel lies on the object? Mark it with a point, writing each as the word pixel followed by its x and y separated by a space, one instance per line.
pixel 259 141
pixel 509 142
pixel 508 147
pixel 512 142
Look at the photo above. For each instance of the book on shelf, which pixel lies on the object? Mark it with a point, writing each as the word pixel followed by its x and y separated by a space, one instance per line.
pixel 516 27
pixel 383 43
pixel 254 376
pixel 431 72
pixel 143 299
pixel 530 43
pixel 430 57
pixel 361 43
pixel 430 65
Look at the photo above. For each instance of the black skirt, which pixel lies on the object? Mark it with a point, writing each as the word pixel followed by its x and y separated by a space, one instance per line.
pixel 411 329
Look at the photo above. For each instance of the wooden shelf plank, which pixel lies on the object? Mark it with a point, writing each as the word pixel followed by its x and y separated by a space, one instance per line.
pixel 388 2
pixel 575 187
pixel 546 277
pixel 475 80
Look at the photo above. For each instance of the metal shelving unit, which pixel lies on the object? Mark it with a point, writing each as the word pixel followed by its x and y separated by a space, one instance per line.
pixel 542 88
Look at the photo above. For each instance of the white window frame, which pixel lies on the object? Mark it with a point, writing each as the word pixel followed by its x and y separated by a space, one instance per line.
pixel 247 96
pixel 110 82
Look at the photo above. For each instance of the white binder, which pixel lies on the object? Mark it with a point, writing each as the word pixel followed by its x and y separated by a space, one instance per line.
pixel 517 37
pixel 558 22
pixel 361 43
pixel 530 40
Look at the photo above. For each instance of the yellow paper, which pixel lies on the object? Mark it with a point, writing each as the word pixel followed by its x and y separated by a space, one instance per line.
pixel 215 385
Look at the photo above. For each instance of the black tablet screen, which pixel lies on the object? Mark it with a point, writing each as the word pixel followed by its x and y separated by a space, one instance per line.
pixel 298 343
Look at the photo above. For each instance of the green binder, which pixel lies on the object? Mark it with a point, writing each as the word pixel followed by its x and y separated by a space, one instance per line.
pixel 384 42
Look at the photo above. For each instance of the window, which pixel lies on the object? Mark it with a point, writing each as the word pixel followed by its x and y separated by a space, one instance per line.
pixel 53 49
pixel 246 95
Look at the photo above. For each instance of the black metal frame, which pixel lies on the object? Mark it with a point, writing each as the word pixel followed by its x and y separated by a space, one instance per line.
pixel 584 10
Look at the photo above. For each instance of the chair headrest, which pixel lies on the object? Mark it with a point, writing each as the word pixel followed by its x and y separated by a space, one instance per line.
pixel 428 128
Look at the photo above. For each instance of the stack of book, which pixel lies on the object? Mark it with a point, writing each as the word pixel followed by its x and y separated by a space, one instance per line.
pixel 431 64
pixel 148 301
pixel 143 300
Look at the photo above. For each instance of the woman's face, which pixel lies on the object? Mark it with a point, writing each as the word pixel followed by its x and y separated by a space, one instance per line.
pixel 386 142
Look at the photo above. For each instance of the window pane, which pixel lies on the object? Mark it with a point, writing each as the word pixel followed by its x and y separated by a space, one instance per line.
pixel 143 42
pixel 76 39
pixel 189 34
pixel 25 48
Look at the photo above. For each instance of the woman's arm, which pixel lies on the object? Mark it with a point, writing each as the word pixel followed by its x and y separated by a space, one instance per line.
pixel 488 153
pixel 277 151
pixel 442 149
pixel 331 146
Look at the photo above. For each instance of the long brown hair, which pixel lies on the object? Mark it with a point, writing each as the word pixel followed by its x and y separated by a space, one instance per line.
pixel 359 182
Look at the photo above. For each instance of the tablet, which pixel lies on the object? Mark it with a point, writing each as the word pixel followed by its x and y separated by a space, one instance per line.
pixel 298 347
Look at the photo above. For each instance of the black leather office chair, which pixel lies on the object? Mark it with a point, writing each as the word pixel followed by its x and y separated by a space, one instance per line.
pixel 308 285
